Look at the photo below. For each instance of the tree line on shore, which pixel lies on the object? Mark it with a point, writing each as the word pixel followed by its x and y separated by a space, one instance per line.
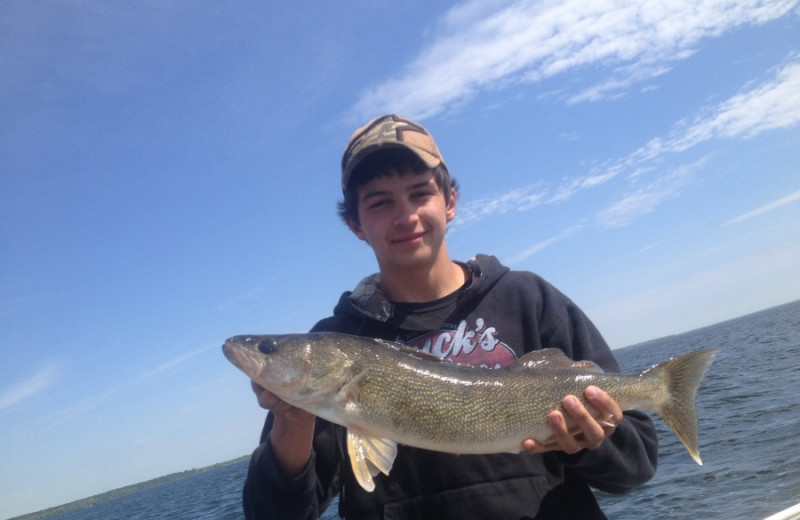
pixel 119 492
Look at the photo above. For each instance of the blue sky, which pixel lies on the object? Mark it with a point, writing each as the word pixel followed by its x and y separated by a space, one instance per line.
pixel 169 178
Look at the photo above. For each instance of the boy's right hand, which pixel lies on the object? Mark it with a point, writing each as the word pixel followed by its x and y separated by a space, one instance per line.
pixel 278 406
pixel 292 431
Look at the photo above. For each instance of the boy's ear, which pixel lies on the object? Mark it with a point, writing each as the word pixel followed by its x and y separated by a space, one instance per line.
pixel 355 227
pixel 451 205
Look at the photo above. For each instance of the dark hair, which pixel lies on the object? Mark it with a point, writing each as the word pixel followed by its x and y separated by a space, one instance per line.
pixel 384 164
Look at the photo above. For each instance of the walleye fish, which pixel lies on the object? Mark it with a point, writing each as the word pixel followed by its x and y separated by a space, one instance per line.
pixel 386 393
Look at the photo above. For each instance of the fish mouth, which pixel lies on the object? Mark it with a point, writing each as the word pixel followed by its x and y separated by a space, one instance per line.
pixel 231 352
pixel 240 357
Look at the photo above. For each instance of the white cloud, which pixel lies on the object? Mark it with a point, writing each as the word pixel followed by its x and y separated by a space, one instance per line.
pixel 90 402
pixel 771 105
pixel 521 199
pixel 526 253
pixel 488 46
pixel 176 362
pixel 645 199
pixel 793 197
pixel 79 407
pixel 775 104
pixel 622 79
pixel 729 289
pixel 572 186
pixel 768 106
pixel 31 386
pixel 241 298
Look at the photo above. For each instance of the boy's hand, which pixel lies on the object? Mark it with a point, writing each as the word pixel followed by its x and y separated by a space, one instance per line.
pixel 587 432
pixel 278 407
pixel 292 431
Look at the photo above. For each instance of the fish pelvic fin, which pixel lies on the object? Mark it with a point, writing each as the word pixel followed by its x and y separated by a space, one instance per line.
pixel 369 456
pixel 682 375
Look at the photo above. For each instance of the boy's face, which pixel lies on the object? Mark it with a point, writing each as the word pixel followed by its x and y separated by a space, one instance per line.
pixel 404 219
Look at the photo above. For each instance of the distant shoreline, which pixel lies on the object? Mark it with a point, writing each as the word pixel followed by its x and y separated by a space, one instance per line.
pixel 120 492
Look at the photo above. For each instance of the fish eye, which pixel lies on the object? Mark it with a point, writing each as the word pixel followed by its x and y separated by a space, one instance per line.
pixel 267 346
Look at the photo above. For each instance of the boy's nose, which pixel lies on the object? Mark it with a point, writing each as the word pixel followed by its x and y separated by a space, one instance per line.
pixel 405 213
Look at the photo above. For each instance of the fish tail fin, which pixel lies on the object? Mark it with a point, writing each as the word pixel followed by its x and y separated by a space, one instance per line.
pixel 682 376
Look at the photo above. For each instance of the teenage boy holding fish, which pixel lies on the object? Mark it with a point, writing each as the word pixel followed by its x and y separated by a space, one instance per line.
pixel 399 198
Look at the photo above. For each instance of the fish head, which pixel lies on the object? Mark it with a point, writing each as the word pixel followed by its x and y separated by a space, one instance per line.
pixel 271 359
pixel 299 368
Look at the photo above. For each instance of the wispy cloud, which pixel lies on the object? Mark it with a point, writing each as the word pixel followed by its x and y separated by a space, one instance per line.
pixel 771 105
pixel 793 197
pixel 645 199
pixel 90 402
pixel 767 106
pixel 485 45
pixel 689 299
pixel 38 382
pixel 521 199
pixel 175 362
pixel 241 298
pixel 80 407
pixel 572 186
pixel 534 249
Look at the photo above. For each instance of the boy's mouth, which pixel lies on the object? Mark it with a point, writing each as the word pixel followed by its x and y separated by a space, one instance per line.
pixel 408 238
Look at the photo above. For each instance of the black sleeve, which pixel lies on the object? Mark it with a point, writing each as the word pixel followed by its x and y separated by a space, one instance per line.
pixel 628 457
pixel 269 494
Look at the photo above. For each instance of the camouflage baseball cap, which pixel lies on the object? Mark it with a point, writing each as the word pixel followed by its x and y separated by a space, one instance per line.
pixel 384 132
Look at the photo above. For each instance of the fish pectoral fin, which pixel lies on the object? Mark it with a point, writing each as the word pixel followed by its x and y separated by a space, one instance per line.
pixel 369 456
pixel 350 391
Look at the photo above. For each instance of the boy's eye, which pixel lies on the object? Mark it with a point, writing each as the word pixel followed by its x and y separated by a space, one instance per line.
pixel 378 204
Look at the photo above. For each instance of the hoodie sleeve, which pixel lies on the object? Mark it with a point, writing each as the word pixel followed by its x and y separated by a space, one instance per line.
pixel 269 494
pixel 625 460
pixel 628 457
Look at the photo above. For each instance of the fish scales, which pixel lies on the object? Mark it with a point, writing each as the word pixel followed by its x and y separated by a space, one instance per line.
pixel 385 393
pixel 472 407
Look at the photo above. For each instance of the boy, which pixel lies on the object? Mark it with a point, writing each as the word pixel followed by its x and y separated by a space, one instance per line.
pixel 399 198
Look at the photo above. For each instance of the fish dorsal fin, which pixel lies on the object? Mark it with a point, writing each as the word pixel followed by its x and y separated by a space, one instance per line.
pixel 369 456
pixel 411 351
pixel 553 358
pixel 588 366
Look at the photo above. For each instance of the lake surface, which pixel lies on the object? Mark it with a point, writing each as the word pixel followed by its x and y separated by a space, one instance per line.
pixel 749 409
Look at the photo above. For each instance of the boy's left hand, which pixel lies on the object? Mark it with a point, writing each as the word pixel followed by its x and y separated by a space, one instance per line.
pixel 586 432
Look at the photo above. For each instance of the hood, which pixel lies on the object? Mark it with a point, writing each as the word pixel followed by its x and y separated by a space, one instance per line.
pixel 367 300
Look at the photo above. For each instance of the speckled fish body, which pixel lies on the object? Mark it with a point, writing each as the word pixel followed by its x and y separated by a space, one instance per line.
pixel 385 393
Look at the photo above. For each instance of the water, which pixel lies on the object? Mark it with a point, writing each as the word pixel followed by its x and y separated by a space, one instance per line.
pixel 749 409
pixel 212 495
pixel 749 420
